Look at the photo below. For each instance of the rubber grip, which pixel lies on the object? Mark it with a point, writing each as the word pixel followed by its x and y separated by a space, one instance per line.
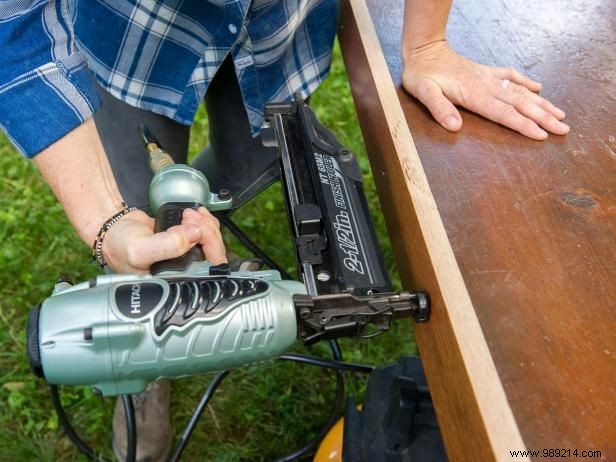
pixel 168 215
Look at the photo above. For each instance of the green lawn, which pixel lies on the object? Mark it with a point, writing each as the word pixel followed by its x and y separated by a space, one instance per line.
pixel 258 413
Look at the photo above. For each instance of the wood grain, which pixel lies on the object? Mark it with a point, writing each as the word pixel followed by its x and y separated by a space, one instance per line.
pixel 514 239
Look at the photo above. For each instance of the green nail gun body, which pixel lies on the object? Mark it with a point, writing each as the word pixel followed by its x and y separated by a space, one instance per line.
pixel 117 333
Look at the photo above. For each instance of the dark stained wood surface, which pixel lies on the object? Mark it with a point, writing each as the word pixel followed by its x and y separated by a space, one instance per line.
pixel 477 421
pixel 532 224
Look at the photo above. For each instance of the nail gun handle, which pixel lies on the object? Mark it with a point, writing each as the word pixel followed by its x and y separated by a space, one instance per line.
pixel 168 215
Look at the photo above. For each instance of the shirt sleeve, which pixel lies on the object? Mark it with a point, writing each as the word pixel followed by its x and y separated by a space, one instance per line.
pixel 46 89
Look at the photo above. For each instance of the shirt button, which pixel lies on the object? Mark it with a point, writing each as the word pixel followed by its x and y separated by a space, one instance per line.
pixel 232 28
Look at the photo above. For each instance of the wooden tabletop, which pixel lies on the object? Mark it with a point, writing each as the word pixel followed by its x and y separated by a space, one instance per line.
pixel 523 278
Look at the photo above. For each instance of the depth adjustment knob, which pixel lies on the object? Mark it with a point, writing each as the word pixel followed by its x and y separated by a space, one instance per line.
pixel 422 313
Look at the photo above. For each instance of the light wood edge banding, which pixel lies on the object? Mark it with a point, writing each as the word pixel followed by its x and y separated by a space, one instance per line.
pixel 498 419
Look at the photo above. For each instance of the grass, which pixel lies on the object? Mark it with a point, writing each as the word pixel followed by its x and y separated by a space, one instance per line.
pixel 259 412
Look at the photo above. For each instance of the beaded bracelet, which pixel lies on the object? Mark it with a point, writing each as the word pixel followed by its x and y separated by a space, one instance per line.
pixel 97 247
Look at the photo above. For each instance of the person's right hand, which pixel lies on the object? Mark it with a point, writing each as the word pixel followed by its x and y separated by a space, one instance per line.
pixel 131 246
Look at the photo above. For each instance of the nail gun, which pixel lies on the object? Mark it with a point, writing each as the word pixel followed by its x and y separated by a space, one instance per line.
pixel 118 332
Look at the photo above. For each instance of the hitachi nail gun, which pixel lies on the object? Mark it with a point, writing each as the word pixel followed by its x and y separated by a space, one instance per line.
pixel 119 332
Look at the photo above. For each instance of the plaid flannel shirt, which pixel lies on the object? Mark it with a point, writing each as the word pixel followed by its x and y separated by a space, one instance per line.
pixel 158 55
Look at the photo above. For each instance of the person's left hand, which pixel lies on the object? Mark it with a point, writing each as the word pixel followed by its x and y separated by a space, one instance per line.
pixel 441 79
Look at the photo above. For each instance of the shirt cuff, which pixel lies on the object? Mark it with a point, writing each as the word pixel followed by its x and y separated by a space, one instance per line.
pixel 43 105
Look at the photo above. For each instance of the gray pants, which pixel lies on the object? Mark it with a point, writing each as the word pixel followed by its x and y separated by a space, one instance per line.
pixel 233 160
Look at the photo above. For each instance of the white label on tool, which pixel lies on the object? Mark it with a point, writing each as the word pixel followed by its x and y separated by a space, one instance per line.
pixel 345 225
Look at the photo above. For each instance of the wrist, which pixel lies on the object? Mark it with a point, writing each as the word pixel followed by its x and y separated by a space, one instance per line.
pixel 424 24
pixel 93 219
pixel 99 247
pixel 122 239
pixel 429 49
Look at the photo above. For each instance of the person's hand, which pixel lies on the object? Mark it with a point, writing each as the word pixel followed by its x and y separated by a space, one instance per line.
pixel 441 79
pixel 131 246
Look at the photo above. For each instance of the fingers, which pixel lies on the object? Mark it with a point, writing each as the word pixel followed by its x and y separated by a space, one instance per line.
pixel 431 95
pixel 532 106
pixel 507 115
pixel 131 246
pixel 546 105
pixel 211 238
pixel 508 73
pixel 174 242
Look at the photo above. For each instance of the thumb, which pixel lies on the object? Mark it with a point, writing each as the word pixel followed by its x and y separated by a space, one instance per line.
pixel 431 95
pixel 174 242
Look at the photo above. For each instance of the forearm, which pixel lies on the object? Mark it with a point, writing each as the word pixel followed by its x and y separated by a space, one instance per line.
pixel 79 174
pixel 424 23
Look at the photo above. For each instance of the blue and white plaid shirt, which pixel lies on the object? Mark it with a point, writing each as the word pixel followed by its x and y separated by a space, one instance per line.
pixel 158 55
